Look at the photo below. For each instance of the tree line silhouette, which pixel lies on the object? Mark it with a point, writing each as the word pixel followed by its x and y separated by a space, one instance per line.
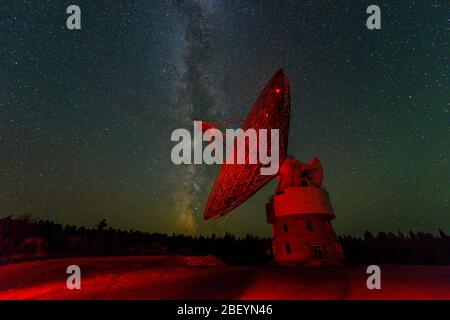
pixel 24 238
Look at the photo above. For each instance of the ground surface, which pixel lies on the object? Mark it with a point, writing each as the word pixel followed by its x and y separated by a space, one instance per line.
pixel 187 278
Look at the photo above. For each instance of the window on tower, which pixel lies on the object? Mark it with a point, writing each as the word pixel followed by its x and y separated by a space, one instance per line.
pixel 309 225
pixel 318 252
pixel 285 227
pixel 288 248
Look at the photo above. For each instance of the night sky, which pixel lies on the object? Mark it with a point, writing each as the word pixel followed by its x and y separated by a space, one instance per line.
pixel 86 115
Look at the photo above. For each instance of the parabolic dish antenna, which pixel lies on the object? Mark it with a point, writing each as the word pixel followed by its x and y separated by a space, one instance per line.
pixel 236 183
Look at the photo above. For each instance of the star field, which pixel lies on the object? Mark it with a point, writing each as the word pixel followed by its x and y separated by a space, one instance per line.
pixel 86 115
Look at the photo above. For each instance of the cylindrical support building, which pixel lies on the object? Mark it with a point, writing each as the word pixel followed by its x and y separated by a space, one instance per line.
pixel 302 230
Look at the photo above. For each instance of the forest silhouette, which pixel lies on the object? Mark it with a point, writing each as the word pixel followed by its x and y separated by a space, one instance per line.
pixel 26 238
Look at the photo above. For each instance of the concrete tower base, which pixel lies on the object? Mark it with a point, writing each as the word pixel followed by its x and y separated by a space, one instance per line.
pixel 302 229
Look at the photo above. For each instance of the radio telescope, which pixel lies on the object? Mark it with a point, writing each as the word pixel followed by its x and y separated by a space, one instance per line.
pixel 300 211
